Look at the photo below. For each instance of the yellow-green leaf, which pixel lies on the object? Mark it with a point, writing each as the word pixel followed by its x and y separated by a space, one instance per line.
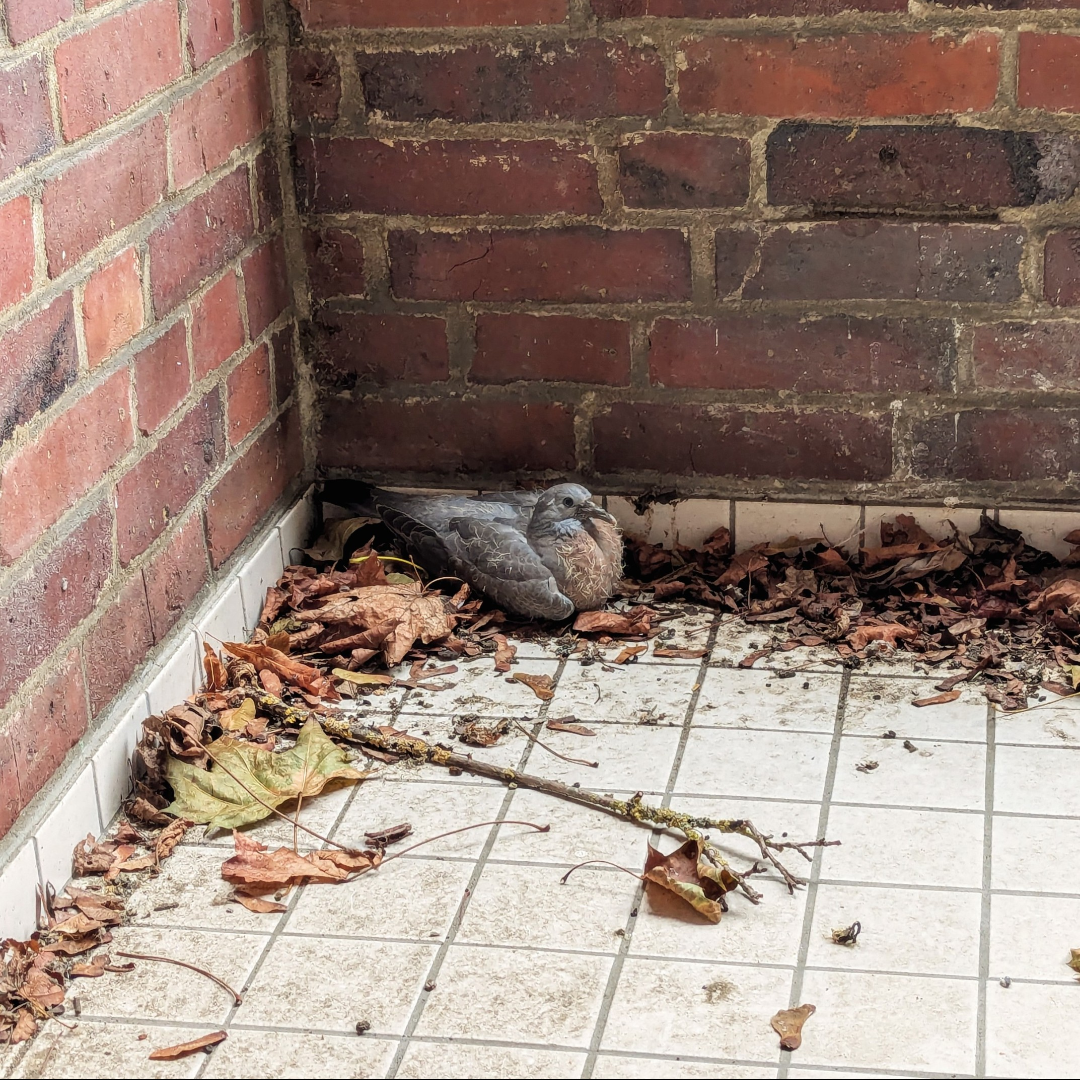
pixel 1074 675
pixel 1074 960
pixel 237 719
pixel 214 797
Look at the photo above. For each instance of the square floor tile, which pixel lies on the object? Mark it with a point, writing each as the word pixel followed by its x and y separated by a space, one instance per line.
pixel 903 930
pixel 904 847
pixel 761 699
pixel 298 1054
pixel 450 1059
pixel 612 1067
pixel 1037 780
pixel 521 905
pixel 157 991
pixel 629 694
pixel 937 774
pixel 516 995
pixel 1027 1030
pixel 761 764
pixel 408 898
pixel 704 1010
pixel 736 640
pixel 876 704
pixel 329 984
pixel 1054 724
pixel 481 690
pixel 884 1021
pixel 1030 936
pixel 1040 854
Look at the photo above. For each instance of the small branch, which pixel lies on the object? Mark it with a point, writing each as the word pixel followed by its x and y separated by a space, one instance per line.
pixel 464 828
pixel 543 745
pixel 184 964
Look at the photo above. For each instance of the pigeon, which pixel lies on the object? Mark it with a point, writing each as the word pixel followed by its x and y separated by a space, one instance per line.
pixel 538 554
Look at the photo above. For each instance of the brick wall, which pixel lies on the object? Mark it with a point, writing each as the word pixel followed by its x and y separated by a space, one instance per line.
pixel 147 412
pixel 821 247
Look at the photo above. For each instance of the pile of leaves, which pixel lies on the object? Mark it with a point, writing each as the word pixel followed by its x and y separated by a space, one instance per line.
pixel 986 604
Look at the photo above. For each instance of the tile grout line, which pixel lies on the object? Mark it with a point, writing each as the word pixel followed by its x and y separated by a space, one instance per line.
pixel 615 972
pixel 987 892
pixel 815 868
pixel 470 887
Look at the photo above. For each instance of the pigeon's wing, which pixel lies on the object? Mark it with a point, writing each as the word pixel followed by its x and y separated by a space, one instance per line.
pixel 423 543
pixel 495 558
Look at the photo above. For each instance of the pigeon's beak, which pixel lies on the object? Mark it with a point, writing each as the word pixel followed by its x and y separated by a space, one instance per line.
pixel 591 510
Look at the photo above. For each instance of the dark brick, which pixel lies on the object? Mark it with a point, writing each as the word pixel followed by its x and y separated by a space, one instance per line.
pixel 158 488
pixel 793 353
pixel 722 440
pixel 267 189
pixel 40 362
pixel 380 349
pixel 558 347
pixel 335 262
pixel 1028 356
pixel 684 171
pixel 118 644
pixel 41 607
pixel 573 265
pixel 998 445
pixel 448 437
pixel 1061 271
pixel 873 260
pixel 175 576
pixel 252 486
pixel 284 365
pixel 319 15
pixel 24 105
pixel 446 177
pixel 314 85
pixel 547 81
pixel 889 167
pixel 735 251
pixel 735 9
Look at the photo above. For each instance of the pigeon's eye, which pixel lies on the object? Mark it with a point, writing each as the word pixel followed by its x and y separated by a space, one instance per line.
pixel 568 501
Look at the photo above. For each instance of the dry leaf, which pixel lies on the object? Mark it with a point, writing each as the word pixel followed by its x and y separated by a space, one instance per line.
pixel 258 904
pixel 679 654
pixel 689 875
pixel 170 836
pixel 303 675
pixel 539 684
pixel 216 679
pixel 1074 960
pixel 363 678
pixel 890 633
pixel 629 653
pixel 271 682
pixel 504 653
pixel 636 621
pixel 574 729
pixel 92 857
pixel 182 1050
pixel 25 1027
pixel 1063 595
pixel 237 719
pixel 94 969
pixel 75 946
pixel 846 935
pixel 751 659
pixel 474 733
pixel 937 699
pixel 41 989
pixel 76 925
pixel 788 1024
pixel 255 870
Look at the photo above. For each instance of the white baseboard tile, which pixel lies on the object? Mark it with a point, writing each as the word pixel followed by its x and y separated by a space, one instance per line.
pixel 225 620
pixel 697 519
pixel 175 678
pixel 765 522
pixel 934 519
pixel 75 815
pixel 18 893
pixel 257 575
pixel 294 529
pixel 112 762
pixel 1044 529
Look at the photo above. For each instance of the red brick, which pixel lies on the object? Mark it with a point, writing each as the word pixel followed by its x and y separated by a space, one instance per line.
pixel 105 70
pixel 380 349
pixel 924 169
pixel 41 607
pixel 11 802
pixel 44 478
pixel 444 178
pixel 266 285
pixel 736 249
pixel 1027 356
pixel 104 193
pixel 848 75
pixel 157 488
pixel 335 263
pixel 448 437
pixel 118 644
pixel 251 16
pixel 284 366
pixel 113 306
pixel 48 726
pixel 249 394
pixel 998 445
pixel 556 347
pixel 28 18
pixel 24 105
pixel 252 486
pixel 203 236
pixel 217 330
pixel 736 9
pixel 314 85
pixel 209 29
pixel 267 189
pixel 571 265
pixel 175 575
pixel 794 353
pixel 220 117
pixel 1061 274
pixel 1049 72
pixel 17 241
pixel 552 80
pixel 327 14
pixel 40 361
pixel 872 260
pixel 162 377
pixel 684 171
pixel 728 440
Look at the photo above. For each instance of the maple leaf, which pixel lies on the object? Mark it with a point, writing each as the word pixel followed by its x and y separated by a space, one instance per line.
pixel 256 870
pixel 691 877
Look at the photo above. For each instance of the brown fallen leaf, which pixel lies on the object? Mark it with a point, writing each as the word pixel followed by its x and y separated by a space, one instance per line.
pixel 255 870
pixel 846 935
pixel 170 836
pixel 890 633
pixel 637 620
pixel 271 682
pixel 539 684
pixel 1074 960
pixel 1062 595
pixel 25 1027
pixel 742 566
pixel 92 856
pixel 566 724
pixel 76 925
pixel 76 946
pixel 93 969
pixel 216 678
pixel 182 1050
pixel 679 654
pixel 237 719
pixel 469 730
pixel 363 678
pixel 689 875
pixel 257 903
pixel 751 659
pixel 788 1024
pixel 290 670
pixel 629 653
pixel 504 653
pixel 42 989
pixel 937 699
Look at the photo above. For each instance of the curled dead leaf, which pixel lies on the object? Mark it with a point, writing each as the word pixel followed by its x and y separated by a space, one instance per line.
pixel 937 699
pixel 93 969
pixel 256 871
pixel 471 731
pixel 285 667
pixel 1074 960
pixel 636 621
pixel 258 904
pixel 182 1050
pixel 539 684
pixel 788 1024
pixel 92 856
pixel 216 679
pixel 890 633
pixel 362 678
pixel 629 653
pixel 1062 595
pixel 691 876
pixel 504 653
pixel 567 724
pixel 679 654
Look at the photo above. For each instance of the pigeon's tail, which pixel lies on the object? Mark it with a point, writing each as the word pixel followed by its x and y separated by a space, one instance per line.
pixel 353 495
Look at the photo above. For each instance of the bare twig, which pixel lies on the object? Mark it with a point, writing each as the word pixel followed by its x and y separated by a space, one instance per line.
pixel 184 964
pixel 464 828
pixel 543 745
pixel 605 862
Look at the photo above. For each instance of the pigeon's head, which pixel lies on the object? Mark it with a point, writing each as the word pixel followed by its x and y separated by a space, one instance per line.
pixel 567 502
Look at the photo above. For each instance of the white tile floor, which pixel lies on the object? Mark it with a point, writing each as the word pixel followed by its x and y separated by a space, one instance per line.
pixel 960 858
